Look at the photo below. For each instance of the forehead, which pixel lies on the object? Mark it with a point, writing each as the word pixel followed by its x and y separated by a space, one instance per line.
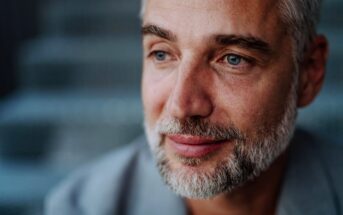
pixel 197 18
pixel 215 5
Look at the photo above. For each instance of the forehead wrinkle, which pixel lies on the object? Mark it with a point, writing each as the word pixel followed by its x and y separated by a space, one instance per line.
pixel 197 5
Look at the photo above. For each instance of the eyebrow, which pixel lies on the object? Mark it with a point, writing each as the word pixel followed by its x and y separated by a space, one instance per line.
pixel 248 42
pixel 158 31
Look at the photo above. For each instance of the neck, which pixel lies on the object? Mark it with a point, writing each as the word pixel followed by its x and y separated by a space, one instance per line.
pixel 259 196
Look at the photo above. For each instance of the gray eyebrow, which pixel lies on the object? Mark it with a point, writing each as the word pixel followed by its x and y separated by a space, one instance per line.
pixel 248 42
pixel 155 30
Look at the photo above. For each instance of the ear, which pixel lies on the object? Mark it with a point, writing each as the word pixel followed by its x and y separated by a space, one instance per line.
pixel 312 71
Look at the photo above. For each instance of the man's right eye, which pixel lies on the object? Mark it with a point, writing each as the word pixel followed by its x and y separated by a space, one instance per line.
pixel 160 55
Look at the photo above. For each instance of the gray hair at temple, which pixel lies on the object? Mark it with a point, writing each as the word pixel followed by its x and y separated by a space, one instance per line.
pixel 302 17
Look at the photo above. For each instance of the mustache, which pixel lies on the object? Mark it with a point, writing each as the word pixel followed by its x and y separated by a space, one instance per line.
pixel 199 127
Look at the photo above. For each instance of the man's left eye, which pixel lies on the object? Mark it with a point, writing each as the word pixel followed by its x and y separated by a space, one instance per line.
pixel 236 62
pixel 233 59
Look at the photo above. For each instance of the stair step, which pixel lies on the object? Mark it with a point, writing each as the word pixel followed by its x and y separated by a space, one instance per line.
pixel 79 17
pixel 55 125
pixel 73 107
pixel 334 75
pixel 26 184
pixel 331 14
pixel 99 63
pixel 325 114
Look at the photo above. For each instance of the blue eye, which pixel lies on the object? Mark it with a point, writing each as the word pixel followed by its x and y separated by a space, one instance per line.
pixel 233 59
pixel 160 55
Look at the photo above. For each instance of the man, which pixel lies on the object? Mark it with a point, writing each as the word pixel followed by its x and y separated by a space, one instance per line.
pixel 222 82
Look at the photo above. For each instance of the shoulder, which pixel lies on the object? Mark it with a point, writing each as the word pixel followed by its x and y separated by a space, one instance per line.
pixel 312 181
pixel 96 182
pixel 326 153
pixel 330 153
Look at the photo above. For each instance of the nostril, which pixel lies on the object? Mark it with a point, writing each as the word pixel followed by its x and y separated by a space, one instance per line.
pixel 197 106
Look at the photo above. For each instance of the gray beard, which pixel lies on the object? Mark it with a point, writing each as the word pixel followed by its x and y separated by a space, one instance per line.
pixel 250 156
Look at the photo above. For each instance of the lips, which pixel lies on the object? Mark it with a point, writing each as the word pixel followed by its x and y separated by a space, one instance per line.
pixel 193 146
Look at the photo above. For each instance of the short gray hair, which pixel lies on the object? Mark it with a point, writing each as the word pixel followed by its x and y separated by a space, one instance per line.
pixel 301 17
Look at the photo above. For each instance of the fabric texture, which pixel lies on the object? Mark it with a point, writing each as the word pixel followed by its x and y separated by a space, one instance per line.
pixel 126 182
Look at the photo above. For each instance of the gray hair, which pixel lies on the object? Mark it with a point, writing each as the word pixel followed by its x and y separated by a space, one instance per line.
pixel 302 18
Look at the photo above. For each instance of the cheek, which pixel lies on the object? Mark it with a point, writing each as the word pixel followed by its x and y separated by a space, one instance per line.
pixel 263 109
pixel 155 93
pixel 258 104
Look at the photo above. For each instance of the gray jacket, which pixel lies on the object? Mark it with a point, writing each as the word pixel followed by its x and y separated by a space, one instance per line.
pixel 126 182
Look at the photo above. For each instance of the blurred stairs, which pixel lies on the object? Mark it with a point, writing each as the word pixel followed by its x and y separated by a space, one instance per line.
pixel 80 96
pixel 83 72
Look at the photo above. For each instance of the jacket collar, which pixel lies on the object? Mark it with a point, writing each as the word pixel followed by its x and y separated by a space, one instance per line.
pixel 307 188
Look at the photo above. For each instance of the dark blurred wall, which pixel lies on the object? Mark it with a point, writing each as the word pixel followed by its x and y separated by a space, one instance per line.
pixel 18 22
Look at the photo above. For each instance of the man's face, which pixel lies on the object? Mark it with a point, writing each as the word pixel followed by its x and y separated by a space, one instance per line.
pixel 219 91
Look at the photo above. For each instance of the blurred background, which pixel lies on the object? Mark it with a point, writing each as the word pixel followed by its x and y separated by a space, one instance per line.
pixel 69 90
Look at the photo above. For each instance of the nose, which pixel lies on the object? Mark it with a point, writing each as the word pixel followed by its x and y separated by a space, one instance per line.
pixel 190 96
